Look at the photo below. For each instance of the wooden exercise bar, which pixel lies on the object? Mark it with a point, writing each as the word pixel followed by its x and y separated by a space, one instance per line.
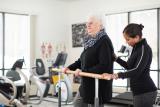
pixel 85 74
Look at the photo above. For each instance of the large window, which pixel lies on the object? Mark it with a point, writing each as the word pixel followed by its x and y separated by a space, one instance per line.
pixel 149 20
pixel 1 42
pixel 114 27
pixel 16 39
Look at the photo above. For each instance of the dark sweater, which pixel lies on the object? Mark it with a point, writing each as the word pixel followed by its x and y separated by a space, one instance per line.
pixel 96 59
pixel 138 68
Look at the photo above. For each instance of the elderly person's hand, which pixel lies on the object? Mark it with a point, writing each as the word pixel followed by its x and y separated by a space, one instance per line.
pixel 107 76
pixel 77 71
pixel 64 70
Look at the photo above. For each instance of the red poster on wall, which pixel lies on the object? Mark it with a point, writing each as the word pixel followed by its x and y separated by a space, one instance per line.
pixel 43 50
pixel 46 50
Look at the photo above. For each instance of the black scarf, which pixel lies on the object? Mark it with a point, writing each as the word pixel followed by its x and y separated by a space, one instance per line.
pixel 89 41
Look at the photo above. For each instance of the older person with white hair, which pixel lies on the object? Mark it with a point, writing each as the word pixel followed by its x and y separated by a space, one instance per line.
pixel 96 58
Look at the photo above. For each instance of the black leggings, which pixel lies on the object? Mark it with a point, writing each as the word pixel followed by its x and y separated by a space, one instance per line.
pixel 145 100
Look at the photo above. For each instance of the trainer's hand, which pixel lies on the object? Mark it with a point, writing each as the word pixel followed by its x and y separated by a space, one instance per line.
pixel 115 76
pixel 77 71
pixel 107 76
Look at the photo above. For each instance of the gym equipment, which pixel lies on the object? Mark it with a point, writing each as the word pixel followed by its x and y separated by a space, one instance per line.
pixel 8 93
pixel 85 74
pixel 125 49
pixel 125 97
pixel 17 67
pixel 64 86
pixel 61 82
pixel 14 75
pixel 37 78
pixel 91 75
pixel 5 95
pixel 40 73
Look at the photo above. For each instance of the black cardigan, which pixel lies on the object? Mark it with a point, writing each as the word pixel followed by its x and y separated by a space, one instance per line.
pixel 96 59
pixel 138 68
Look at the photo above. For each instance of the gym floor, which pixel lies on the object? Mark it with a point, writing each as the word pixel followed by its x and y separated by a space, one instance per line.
pixel 51 104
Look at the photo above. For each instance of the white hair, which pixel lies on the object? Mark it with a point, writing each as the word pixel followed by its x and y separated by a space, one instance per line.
pixel 99 18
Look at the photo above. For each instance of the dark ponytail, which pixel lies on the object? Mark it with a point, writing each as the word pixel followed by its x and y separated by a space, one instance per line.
pixel 141 26
pixel 133 29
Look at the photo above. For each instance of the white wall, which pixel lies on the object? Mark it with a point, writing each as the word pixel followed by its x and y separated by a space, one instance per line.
pixel 52 19
pixel 82 8
pixel 48 21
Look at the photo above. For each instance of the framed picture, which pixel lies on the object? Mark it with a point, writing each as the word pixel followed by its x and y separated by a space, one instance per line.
pixel 78 33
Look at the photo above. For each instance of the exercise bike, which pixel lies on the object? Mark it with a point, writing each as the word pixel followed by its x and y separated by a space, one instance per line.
pixel 44 82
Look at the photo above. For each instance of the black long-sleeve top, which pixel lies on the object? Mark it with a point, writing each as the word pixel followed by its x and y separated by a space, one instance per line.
pixel 96 59
pixel 138 68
